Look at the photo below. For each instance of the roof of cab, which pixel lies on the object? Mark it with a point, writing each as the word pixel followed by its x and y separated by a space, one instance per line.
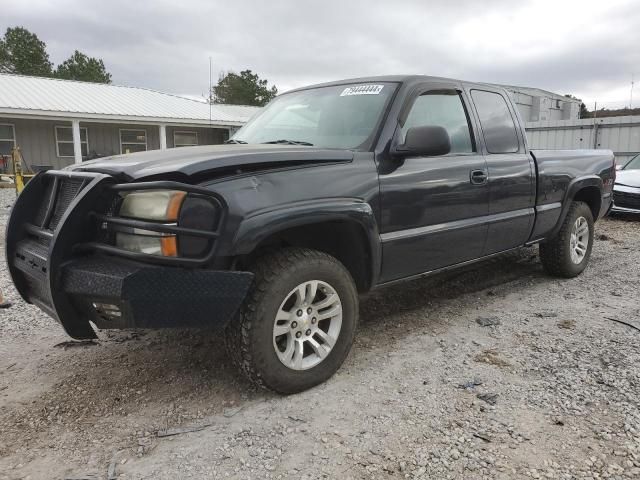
pixel 405 79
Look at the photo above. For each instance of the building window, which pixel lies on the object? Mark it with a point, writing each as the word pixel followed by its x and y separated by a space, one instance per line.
pixel 7 138
pixel 133 141
pixel 185 139
pixel 64 142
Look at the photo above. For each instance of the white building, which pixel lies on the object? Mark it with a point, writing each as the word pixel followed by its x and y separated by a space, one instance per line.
pixel 59 122
pixel 537 105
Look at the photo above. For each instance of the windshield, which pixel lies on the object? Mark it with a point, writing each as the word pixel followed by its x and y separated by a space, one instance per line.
pixel 344 116
pixel 634 164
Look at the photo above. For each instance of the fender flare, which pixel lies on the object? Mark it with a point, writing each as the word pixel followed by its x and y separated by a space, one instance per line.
pixel 573 188
pixel 256 228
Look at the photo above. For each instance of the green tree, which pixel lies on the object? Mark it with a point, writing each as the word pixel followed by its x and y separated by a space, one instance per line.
pixel 584 111
pixel 23 52
pixel 245 88
pixel 81 67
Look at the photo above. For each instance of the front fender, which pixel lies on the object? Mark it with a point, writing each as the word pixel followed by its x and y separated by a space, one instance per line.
pixel 260 226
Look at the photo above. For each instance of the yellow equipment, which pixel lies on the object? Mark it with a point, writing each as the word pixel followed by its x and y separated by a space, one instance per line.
pixel 16 157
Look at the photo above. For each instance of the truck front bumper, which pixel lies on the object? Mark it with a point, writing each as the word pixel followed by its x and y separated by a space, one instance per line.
pixel 113 293
pixel 53 217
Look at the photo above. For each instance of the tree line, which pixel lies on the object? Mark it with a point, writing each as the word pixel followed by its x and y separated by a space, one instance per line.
pixel 23 53
pixel 615 112
pixel 604 112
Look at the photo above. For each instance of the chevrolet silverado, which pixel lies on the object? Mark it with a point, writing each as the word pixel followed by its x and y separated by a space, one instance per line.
pixel 329 191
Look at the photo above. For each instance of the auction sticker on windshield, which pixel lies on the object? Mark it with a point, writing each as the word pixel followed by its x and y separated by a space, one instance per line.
pixel 362 90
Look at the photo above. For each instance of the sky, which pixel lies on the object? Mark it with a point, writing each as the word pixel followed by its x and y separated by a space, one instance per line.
pixel 587 48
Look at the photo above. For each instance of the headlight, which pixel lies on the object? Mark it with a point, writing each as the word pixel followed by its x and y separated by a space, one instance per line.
pixel 164 222
pixel 157 205
pixel 152 205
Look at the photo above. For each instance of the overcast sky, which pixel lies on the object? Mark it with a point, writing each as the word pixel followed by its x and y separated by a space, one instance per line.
pixel 584 47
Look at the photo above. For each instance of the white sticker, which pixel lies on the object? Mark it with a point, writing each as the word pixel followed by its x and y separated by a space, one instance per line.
pixel 362 90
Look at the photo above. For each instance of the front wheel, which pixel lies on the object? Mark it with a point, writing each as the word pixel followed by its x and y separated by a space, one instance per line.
pixel 568 253
pixel 298 324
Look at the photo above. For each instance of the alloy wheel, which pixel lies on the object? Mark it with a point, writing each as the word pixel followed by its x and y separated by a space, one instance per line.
pixel 307 325
pixel 579 240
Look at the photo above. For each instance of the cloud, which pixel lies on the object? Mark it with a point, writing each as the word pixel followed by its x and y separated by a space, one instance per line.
pixel 588 48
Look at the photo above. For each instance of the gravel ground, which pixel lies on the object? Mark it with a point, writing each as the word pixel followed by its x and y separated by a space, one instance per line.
pixel 495 372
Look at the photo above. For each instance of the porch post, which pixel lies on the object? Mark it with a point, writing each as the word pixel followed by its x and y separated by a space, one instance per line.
pixel 163 137
pixel 77 144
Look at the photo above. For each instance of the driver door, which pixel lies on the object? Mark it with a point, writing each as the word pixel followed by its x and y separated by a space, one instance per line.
pixel 433 208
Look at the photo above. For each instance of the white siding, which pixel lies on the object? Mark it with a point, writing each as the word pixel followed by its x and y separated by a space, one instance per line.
pixel 619 134
pixel 37 141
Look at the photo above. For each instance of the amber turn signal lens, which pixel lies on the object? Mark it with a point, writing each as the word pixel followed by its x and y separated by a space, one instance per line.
pixel 169 246
pixel 173 208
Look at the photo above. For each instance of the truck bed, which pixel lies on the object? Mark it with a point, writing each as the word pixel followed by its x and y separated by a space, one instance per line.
pixel 558 172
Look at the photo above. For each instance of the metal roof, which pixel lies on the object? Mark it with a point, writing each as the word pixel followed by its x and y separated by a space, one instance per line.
pixel 48 97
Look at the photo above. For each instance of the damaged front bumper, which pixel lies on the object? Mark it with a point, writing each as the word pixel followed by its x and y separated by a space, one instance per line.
pixel 54 216
pixel 113 293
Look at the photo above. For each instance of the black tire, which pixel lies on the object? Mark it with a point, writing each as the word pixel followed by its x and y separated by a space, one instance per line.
pixel 555 253
pixel 249 338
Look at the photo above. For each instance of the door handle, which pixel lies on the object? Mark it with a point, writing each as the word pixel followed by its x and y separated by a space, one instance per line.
pixel 478 177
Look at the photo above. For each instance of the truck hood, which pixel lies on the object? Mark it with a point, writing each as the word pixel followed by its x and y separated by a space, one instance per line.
pixel 630 178
pixel 202 163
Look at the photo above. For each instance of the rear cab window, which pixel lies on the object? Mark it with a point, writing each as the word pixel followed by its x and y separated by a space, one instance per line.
pixel 498 126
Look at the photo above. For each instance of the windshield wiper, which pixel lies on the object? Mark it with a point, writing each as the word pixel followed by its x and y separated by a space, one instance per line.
pixel 231 140
pixel 290 142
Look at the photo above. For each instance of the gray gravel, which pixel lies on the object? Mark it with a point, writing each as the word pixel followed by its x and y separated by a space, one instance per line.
pixel 548 388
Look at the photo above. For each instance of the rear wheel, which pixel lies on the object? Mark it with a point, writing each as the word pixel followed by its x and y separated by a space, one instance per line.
pixel 567 255
pixel 298 323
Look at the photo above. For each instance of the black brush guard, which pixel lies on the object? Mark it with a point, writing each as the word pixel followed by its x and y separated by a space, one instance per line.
pixel 57 261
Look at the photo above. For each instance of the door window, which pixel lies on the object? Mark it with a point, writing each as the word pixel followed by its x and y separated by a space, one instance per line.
pixel 498 127
pixel 442 108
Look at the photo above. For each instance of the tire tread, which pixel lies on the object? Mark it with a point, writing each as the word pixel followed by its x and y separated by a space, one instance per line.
pixel 553 254
pixel 266 269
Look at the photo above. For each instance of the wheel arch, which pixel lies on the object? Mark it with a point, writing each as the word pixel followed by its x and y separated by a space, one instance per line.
pixel 345 229
pixel 584 189
pixel 592 196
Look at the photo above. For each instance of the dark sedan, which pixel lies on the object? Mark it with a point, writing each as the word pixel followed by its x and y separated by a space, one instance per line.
pixel 626 191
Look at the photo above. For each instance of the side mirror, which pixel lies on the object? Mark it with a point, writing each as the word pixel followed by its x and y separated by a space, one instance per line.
pixel 426 141
pixel 618 167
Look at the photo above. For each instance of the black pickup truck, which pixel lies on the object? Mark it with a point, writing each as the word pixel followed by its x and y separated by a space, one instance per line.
pixel 330 191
